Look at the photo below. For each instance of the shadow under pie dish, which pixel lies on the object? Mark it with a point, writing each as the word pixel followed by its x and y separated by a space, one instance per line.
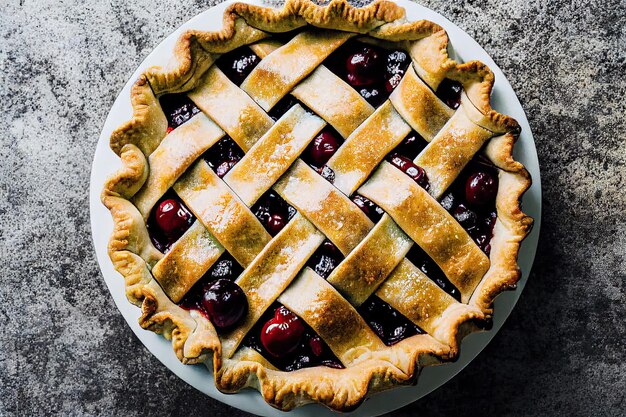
pixel 316 200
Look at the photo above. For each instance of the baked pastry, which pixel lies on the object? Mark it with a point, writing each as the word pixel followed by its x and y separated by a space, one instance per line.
pixel 316 200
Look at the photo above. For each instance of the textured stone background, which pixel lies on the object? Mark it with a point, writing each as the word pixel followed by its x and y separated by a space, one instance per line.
pixel 64 347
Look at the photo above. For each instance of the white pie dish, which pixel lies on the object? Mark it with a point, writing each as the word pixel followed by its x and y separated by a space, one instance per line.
pixel 106 163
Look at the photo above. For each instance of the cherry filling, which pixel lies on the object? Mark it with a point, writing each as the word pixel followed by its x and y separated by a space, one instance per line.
pixel 481 188
pixel 327 173
pixel 226 267
pixel 238 64
pixel 411 146
pixel 407 166
pixel 420 259
pixel 284 105
pixel 217 296
pixel 222 156
pixel 386 321
pixel 472 201
pixel 282 333
pixel 373 71
pixel 363 66
pixel 288 342
pixel 178 109
pixel 322 148
pixel 368 207
pixel 168 221
pixel 225 302
pixel 449 91
pixel 273 212
pixel 397 63
pixel 325 259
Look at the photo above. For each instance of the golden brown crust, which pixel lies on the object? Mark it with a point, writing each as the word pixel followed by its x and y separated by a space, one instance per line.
pixel 147 126
pixel 366 267
pixel 187 261
pixel 193 337
pixel 433 64
pixel 425 221
pixel 512 225
pixel 366 147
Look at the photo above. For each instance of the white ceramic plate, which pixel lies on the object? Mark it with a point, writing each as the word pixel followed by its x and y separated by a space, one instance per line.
pixel 106 162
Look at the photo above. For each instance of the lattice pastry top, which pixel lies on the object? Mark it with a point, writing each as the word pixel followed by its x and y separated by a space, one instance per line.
pixel 316 200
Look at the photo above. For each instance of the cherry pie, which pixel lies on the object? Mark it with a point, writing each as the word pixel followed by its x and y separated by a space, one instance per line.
pixel 317 200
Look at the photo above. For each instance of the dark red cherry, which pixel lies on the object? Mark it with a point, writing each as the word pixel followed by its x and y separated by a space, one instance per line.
pixel 322 148
pixel 449 91
pixel 397 62
pixel 316 345
pixel 482 240
pixel 223 168
pixel 273 212
pixel 387 322
pixel 332 363
pixel 222 156
pixel 301 361
pixel 363 67
pixel 281 335
pixel 411 146
pixel 397 333
pixel 284 315
pixel 275 224
pixel 466 217
pixel 173 218
pixel 225 302
pixel 262 212
pixel 392 82
pixel 325 259
pixel 490 221
pixel 378 328
pixel 481 188
pixel 368 207
pixel 178 109
pixel 283 106
pixel 408 167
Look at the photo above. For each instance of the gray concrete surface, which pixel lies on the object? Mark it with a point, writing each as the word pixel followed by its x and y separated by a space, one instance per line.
pixel 66 350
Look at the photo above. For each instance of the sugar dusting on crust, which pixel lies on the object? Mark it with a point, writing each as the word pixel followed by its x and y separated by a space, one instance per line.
pixel 306 195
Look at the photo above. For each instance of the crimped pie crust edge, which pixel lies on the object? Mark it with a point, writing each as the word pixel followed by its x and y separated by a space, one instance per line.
pixel 193 337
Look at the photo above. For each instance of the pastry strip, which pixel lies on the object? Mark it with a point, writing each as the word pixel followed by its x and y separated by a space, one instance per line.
pixel 429 225
pixel 178 150
pixel 327 95
pixel 327 208
pixel 245 122
pixel 366 147
pixel 271 272
pixel 272 155
pixel 413 294
pixel 448 153
pixel 419 106
pixel 369 264
pixel 228 219
pixel 345 332
pixel 281 70
pixel 187 261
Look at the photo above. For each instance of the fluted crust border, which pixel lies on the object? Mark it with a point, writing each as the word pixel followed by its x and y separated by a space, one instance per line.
pixel 194 339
